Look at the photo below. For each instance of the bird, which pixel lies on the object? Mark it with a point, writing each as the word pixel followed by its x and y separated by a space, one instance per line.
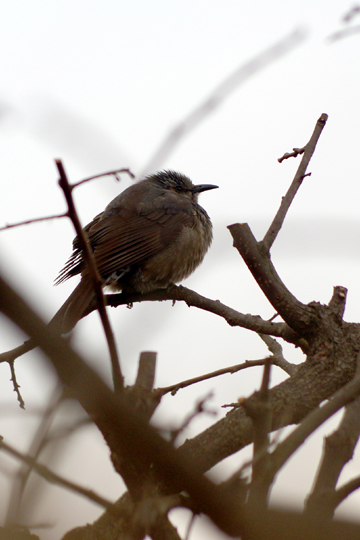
pixel 150 236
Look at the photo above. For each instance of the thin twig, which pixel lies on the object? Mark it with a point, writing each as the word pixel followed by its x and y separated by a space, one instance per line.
pixel 16 385
pixel 54 478
pixel 199 409
pixel 296 183
pixel 35 220
pixel 36 446
pixel 94 275
pixel 232 369
pixel 109 173
pixel 346 490
pixel 346 32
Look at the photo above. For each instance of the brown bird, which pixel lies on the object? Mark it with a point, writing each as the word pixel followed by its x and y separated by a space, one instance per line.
pixel 150 236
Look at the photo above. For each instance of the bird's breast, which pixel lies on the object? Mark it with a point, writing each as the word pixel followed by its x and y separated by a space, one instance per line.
pixel 181 257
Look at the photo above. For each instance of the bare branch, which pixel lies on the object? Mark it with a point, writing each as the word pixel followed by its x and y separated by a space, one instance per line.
pixel 232 369
pixel 309 149
pixel 295 153
pixel 317 417
pixel 114 173
pixel 278 359
pixel 35 447
pixel 346 32
pixel 338 301
pixel 54 478
pixel 34 220
pixel 297 315
pixel 181 293
pixel 128 434
pixel 346 490
pixel 338 450
pixel 232 317
pixel 141 397
pixel 94 275
pixel 351 14
pixel 16 385
pixel 199 409
pixel 259 410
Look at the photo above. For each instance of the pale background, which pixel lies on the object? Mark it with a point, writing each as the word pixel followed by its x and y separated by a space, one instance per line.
pixel 100 85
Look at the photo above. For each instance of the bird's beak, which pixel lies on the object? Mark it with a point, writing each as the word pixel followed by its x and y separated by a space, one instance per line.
pixel 203 187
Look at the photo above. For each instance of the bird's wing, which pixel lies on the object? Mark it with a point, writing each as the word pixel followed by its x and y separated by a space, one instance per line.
pixel 119 242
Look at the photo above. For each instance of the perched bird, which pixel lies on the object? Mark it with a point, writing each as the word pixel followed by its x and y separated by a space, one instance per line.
pixel 151 235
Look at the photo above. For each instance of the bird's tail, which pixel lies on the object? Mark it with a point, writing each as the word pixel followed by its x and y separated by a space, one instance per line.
pixel 73 309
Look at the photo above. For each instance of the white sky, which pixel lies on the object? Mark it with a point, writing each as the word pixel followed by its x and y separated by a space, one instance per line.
pixel 100 84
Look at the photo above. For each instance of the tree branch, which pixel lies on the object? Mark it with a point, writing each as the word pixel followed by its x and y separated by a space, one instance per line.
pixel 54 478
pixel 94 275
pixel 297 315
pixel 309 149
pixel 191 298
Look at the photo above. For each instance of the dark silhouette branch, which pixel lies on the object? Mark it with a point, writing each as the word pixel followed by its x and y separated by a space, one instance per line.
pixel 54 478
pixel 127 434
pixel 317 417
pixel 94 275
pixel 297 315
pixel 338 450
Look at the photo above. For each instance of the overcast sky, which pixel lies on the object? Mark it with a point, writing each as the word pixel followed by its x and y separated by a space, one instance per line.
pixel 101 85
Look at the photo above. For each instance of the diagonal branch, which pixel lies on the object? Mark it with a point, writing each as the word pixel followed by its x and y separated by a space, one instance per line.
pixel 317 417
pixel 54 478
pixel 173 388
pixel 94 275
pixel 338 450
pixel 309 149
pixel 34 220
pixel 297 315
